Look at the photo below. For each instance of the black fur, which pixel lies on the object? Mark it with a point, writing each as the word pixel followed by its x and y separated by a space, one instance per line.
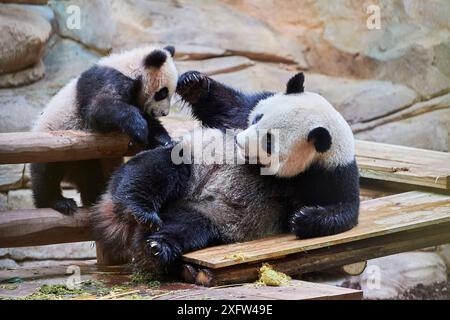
pixel 145 183
pixel 171 50
pixel 295 84
pixel 215 104
pixel 321 138
pixel 155 59
pixel 107 102
pixel 324 202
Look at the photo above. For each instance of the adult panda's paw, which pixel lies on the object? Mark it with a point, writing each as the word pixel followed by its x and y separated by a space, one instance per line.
pixel 193 85
pixel 136 127
pixel 66 206
pixel 163 248
pixel 308 222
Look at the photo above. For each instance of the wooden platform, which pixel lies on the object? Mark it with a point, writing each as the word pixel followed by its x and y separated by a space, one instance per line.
pixel 387 225
pixel 413 166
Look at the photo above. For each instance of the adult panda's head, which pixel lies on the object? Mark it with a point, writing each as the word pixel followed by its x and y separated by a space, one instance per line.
pixel 295 130
pixel 159 80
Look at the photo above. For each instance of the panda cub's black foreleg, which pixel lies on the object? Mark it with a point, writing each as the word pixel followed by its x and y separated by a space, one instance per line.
pixel 217 105
pixel 157 134
pixel 183 231
pixel 108 115
pixel 46 186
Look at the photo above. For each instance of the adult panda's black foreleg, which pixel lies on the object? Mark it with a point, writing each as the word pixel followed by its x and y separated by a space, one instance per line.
pixel 46 186
pixel 318 221
pixel 144 184
pixel 215 104
pixel 183 231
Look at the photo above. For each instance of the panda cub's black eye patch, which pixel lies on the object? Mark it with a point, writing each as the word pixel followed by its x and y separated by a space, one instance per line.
pixel 256 119
pixel 161 94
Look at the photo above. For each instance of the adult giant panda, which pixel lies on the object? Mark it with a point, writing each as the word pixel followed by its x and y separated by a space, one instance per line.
pixel 122 92
pixel 156 209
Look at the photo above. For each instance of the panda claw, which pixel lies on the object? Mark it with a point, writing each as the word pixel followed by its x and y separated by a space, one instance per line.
pixel 153 244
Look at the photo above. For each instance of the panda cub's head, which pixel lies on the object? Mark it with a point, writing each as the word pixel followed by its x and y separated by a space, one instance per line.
pixel 294 131
pixel 159 81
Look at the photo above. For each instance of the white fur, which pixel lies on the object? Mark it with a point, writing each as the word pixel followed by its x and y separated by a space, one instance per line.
pixel 292 117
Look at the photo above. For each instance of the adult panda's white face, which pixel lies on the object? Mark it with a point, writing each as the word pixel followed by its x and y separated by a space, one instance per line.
pixel 159 81
pixel 289 132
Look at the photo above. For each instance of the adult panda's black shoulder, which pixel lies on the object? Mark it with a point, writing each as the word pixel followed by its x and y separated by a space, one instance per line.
pixel 122 92
pixel 309 186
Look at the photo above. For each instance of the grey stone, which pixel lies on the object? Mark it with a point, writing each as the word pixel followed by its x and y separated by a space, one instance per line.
pixel 23 77
pixel 23 35
pixel 387 277
pixel 21 106
pixel 66 251
pixel 11 176
pixel 3 204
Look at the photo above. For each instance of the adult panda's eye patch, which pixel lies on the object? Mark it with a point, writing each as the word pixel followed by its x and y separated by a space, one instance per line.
pixel 161 94
pixel 256 119
pixel 267 140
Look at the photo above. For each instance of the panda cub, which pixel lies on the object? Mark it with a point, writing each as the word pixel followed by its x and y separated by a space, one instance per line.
pixel 122 92
pixel 155 209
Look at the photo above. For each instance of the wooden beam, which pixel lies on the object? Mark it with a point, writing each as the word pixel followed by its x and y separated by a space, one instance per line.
pixel 26 147
pixel 407 211
pixel 327 257
pixel 41 227
pixel 401 164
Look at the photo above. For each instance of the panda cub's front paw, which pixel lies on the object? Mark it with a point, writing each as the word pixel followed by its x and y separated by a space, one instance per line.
pixel 135 126
pixel 163 248
pixel 193 85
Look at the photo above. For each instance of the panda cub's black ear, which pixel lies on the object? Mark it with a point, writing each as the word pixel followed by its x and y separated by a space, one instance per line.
pixel 155 59
pixel 171 50
pixel 295 84
pixel 321 138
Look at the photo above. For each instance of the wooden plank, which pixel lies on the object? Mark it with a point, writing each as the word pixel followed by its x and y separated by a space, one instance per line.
pixel 392 214
pixel 403 164
pixel 296 290
pixel 41 227
pixel 328 257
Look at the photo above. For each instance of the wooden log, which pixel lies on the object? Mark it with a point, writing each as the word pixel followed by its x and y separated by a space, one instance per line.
pixel 41 227
pixel 25 147
pixel 107 259
pixel 325 258
pixel 189 273
pixel 353 269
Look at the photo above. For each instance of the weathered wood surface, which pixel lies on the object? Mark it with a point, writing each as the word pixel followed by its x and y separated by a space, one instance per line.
pixel 403 164
pixel 389 215
pixel 296 290
pixel 25 147
pixel 41 227
pixel 328 257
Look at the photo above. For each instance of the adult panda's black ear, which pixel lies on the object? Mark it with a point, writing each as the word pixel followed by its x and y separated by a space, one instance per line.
pixel 295 84
pixel 171 50
pixel 321 138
